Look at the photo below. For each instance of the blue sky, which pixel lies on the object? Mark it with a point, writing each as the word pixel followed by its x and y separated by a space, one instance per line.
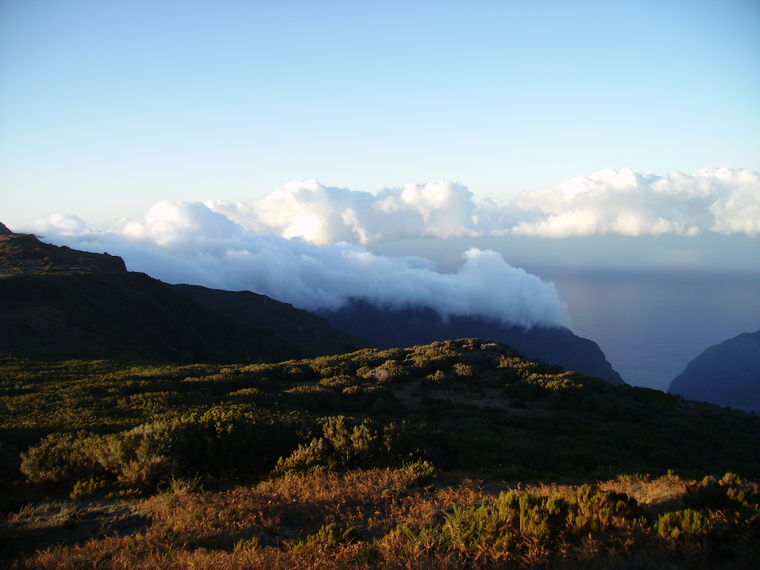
pixel 109 106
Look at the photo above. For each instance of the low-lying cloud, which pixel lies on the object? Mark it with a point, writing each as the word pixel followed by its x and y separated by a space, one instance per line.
pixel 611 201
pixel 190 243
pixel 304 243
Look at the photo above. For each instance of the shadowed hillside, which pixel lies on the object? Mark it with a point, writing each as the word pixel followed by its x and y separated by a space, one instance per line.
pixel 60 301
pixel 63 302
pixel 289 323
pixel 727 374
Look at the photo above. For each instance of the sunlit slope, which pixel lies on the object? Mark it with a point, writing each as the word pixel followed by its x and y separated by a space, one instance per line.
pixel 465 404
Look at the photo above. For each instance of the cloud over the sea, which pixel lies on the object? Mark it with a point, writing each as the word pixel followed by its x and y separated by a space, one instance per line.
pixel 181 242
pixel 611 201
pixel 304 243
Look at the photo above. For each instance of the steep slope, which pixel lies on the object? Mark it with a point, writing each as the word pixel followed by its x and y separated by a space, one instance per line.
pixel 125 315
pixel 412 326
pixel 727 374
pixel 289 323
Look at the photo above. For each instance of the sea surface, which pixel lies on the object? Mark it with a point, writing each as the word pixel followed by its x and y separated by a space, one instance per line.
pixel 651 326
pixel 652 303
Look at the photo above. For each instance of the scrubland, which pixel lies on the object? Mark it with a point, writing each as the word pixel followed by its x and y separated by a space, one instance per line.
pixel 458 454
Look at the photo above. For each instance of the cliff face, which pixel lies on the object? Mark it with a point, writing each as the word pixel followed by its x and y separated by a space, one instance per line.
pixel 414 326
pixel 727 374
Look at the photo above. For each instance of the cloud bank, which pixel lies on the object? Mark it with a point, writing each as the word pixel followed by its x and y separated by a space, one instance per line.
pixel 304 243
pixel 190 243
pixel 611 201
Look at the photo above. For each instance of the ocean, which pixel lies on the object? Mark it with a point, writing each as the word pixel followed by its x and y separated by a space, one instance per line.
pixel 651 326
pixel 652 303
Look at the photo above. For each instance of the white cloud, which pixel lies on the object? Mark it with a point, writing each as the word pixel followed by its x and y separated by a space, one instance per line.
pixel 629 203
pixel 189 243
pixel 304 242
pixel 607 202
pixel 324 214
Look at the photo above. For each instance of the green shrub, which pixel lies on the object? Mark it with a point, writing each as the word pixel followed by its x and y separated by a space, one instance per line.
pixel 687 524
pixel 345 444
pixel 61 458
pixel 516 522
pixel 391 371
pixel 218 441
pixel 421 470
pixel 88 488
pixel 728 492
pixel 593 510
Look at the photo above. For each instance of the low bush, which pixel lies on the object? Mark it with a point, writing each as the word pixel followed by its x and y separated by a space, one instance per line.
pixel 685 525
pixel 347 444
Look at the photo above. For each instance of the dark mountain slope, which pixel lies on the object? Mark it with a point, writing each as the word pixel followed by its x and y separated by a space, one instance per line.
pixel 413 326
pixel 727 374
pixel 59 301
pixel 294 325
pixel 125 315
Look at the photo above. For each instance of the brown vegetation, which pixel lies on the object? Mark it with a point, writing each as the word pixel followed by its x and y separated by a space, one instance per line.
pixel 398 518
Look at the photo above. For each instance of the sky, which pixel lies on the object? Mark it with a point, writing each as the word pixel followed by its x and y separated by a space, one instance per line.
pixel 107 107
pixel 490 158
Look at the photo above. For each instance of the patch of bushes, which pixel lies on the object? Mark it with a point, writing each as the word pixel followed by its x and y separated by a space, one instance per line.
pixel 517 522
pixel 219 441
pixel 728 492
pixel 347 444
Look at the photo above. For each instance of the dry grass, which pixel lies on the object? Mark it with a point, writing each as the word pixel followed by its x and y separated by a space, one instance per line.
pixel 276 524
